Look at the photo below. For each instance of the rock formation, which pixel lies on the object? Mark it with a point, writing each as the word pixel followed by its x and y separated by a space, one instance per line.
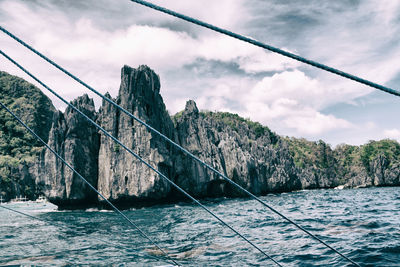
pixel 122 177
pixel 77 141
pixel 258 161
pixel 247 152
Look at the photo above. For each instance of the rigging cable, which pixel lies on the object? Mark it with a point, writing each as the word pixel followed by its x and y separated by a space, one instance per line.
pixel 83 179
pixel 182 149
pixel 137 157
pixel 269 47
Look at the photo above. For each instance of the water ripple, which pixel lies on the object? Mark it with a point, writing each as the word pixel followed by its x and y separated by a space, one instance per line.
pixel 364 224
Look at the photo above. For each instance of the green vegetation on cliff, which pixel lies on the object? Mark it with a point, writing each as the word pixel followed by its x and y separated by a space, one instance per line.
pixel 345 161
pixel 17 146
pixel 318 157
pixel 390 149
pixel 235 122
pixel 306 153
pixel 310 154
pixel 347 157
pixel 33 107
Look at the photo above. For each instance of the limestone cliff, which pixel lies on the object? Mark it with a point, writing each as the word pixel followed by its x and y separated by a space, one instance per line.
pixel 122 178
pixel 248 153
pixel 373 164
pixel 77 141
pixel 245 151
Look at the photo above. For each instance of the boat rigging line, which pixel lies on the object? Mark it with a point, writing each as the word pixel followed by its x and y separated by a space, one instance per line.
pixel 179 147
pixel 83 179
pixel 136 156
pixel 269 47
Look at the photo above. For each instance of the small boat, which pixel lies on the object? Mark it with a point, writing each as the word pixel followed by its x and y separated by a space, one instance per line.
pixel 41 199
pixel 19 199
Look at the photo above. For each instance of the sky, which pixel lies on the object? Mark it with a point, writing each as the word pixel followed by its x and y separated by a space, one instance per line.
pixel 93 39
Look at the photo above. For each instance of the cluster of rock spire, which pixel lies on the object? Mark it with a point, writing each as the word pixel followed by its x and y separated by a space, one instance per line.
pixel 254 157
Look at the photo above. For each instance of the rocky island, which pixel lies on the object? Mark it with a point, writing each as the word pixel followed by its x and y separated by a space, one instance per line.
pixel 247 152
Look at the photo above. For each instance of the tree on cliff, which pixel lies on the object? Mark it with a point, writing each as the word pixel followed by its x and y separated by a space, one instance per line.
pixel 18 147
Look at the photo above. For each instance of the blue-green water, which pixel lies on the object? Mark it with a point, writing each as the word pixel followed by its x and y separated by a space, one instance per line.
pixel 364 224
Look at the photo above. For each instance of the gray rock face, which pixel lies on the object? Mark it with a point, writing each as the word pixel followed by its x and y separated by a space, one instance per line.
pixel 379 173
pixel 247 152
pixel 383 173
pixel 122 178
pixel 392 175
pixel 77 141
pixel 20 183
pixel 259 162
pixel 323 173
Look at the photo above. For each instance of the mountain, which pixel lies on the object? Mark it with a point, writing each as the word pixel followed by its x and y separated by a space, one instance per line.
pixel 245 151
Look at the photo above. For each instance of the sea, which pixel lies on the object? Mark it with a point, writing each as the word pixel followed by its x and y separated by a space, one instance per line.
pixel 363 224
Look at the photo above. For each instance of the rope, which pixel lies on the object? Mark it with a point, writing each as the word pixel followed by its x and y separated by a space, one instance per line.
pixel 137 157
pixel 83 179
pixel 182 149
pixel 270 48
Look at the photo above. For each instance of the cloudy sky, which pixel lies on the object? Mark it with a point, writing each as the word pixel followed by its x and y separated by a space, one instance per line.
pixel 94 38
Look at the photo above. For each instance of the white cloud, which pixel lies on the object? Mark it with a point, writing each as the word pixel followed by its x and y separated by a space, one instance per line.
pixel 388 9
pixel 287 100
pixel 311 122
pixel 90 50
pixel 289 84
pixel 294 99
pixel 285 113
pixel 260 61
pixel 358 40
pixel 160 48
pixel 94 47
pixel 392 134
pixel 217 98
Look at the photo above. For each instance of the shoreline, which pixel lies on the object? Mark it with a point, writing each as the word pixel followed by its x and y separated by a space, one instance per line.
pixel 147 203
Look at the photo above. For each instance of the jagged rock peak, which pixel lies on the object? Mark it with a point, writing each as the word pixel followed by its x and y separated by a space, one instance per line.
pixel 107 94
pixel 139 79
pixel 139 93
pixel 105 103
pixel 84 103
pixel 122 178
pixel 191 108
pixel 83 100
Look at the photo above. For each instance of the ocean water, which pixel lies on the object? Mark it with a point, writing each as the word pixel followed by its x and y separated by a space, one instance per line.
pixel 364 224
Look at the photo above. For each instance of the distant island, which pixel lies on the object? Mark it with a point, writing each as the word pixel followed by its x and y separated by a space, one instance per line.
pixel 247 152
